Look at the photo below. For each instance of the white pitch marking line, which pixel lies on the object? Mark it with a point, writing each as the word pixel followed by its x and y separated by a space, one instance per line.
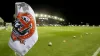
pixel 96 53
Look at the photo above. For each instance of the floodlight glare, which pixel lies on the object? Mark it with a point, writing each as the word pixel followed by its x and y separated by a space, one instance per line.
pixel 36 15
pixel 60 19
pixel 41 15
pixel 55 17
pixel 45 15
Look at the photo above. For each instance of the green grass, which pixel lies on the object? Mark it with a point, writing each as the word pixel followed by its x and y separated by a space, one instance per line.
pixel 82 45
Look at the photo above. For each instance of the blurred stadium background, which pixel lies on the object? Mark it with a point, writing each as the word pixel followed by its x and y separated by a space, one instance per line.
pixel 67 39
pixel 48 20
pixel 42 20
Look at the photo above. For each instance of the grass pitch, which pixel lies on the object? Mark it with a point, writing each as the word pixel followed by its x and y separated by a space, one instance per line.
pixel 82 45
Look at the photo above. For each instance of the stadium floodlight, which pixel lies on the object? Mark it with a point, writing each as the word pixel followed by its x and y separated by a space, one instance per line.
pixel 45 15
pixel 55 17
pixel 60 19
pixel 36 15
pixel 41 15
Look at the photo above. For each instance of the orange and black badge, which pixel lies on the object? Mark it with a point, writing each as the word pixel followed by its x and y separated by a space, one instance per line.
pixel 23 28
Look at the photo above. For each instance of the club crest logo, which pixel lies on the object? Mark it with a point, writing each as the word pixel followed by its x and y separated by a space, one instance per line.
pixel 23 27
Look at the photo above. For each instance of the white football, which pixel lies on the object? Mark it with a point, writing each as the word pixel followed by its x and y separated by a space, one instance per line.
pixel 50 43
pixel 74 36
pixel 87 33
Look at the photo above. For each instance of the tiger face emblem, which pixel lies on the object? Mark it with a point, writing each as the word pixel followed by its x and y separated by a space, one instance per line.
pixel 23 27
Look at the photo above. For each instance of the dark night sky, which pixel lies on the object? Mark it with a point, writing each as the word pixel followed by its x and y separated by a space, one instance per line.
pixel 74 12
